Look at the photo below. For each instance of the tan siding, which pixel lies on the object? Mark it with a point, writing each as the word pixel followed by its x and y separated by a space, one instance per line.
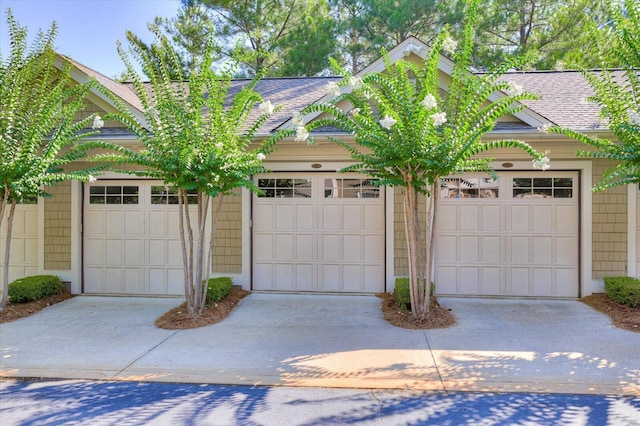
pixel 609 226
pixel 227 248
pixel 90 108
pixel 57 227
pixel 400 238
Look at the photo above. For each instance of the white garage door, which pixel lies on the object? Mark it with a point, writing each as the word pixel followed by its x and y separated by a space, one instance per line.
pixel 518 236
pixel 24 242
pixel 131 239
pixel 318 232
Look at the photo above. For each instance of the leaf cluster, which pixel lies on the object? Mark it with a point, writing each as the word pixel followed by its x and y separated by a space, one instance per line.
pixel 618 95
pixel 39 133
pixel 417 149
pixel 195 135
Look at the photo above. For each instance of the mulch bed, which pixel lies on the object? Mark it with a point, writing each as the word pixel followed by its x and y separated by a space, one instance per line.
pixel 439 317
pixel 14 311
pixel 179 319
pixel 622 316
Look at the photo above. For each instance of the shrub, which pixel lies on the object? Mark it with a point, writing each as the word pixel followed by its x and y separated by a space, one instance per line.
pixel 218 289
pixel 624 290
pixel 34 288
pixel 403 295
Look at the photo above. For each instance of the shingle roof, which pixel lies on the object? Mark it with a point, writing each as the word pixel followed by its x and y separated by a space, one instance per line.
pixel 562 99
pixel 563 95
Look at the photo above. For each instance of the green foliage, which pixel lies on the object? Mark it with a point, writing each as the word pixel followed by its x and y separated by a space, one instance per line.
pixel 218 289
pixel 409 134
pixel 196 136
pixel 30 289
pixel 268 36
pixel 402 292
pixel 39 135
pixel 624 290
pixel 618 95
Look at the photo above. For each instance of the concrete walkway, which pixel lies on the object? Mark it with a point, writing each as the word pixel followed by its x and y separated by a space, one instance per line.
pixel 330 341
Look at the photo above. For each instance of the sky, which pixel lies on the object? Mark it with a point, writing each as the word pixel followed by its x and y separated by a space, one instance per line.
pixel 87 29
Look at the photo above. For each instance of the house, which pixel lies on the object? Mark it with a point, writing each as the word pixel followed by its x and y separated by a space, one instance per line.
pixel 528 234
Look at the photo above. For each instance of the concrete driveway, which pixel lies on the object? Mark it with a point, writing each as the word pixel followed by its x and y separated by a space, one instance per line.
pixel 330 341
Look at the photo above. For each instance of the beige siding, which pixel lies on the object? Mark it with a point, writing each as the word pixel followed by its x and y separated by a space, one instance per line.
pixel 609 226
pixel 400 238
pixel 90 108
pixel 227 249
pixel 57 227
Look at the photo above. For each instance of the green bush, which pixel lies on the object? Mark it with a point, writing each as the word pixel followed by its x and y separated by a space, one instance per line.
pixel 218 289
pixel 624 290
pixel 34 288
pixel 403 295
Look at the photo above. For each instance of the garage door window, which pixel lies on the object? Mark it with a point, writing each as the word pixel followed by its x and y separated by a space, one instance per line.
pixel 469 188
pixel 350 188
pixel 284 188
pixel 542 187
pixel 169 195
pixel 113 194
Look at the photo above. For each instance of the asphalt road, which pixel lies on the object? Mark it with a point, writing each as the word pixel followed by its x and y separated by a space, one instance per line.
pixel 66 402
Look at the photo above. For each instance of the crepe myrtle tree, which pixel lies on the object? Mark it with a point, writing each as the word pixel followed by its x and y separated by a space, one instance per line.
pixel 619 100
pixel 409 134
pixel 195 137
pixel 39 135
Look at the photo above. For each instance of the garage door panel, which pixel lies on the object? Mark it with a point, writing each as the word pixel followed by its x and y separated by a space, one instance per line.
pixel 490 249
pixel 469 218
pixel 373 248
pixel 304 247
pixel 469 249
pixel 565 252
pixel 491 279
pixel 134 252
pixel 543 218
pixel 519 281
pixel 331 217
pixel 130 248
pixel 263 246
pixel 284 246
pixel 373 217
pixel 114 223
pixel 114 251
pixel 519 249
pixel 491 217
pixel 304 216
pixel 263 216
pixel 446 248
pixel 542 250
pixel 353 218
pixel 353 247
pixel 134 280
pixel 323 243
pixel 469 280
pixel 113 280
pixel 447 217
pixel 285 218
pixel 520 218
pixel 524 244
pixel 566 282
pixel 175 281
pixel 263 276
pixel 304 277
pixel 567 218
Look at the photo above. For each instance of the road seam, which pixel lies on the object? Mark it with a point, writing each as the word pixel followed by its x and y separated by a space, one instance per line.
pixel 435 364
pixel 126 367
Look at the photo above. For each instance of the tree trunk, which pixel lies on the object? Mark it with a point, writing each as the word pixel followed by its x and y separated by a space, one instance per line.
pixel 209 258
pixel 418 284
pixel 7 253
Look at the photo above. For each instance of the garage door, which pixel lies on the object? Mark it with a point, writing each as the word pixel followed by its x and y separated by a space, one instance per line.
pixel 24 242
pixel 131 239
pixel 318 233
pixel 517 236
